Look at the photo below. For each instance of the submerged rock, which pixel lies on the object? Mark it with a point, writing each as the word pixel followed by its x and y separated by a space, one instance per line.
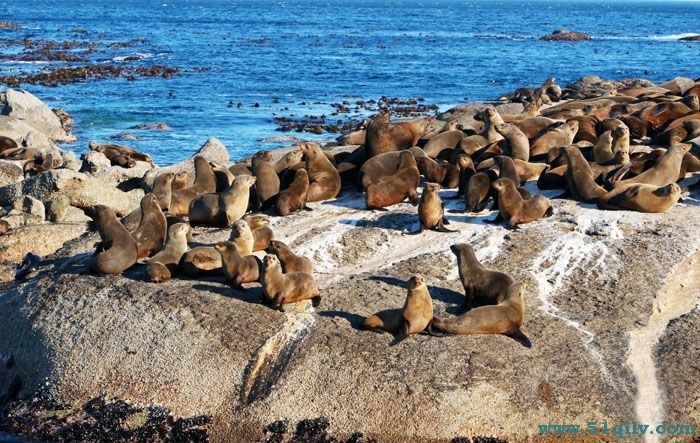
pixel 566 35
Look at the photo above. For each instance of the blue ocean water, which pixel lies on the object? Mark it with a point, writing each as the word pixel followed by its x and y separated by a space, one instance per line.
pixel 281 54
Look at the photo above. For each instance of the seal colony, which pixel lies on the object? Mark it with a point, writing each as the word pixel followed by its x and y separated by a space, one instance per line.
pixel 616 170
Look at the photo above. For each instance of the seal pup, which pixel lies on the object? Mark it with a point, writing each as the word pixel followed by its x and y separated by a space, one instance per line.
pixel 7 143
pixel 514 209
pixel 223 208
pixel 30 264
pixel 415 317
pixel 324 179
pixel 150 235
pixel 288 259
pixel 166 264
pixel 117 251
pixel 642 198
pixel 602 150
pixel 505 318
pixel 238 269
pixel 431 210
pixel 397 187
pixel 279 288
pixel 294 197
pixel 267 184
pixel 441 172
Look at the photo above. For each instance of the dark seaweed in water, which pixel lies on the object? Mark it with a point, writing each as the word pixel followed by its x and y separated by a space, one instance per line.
pixel 307 431
pixel 100 420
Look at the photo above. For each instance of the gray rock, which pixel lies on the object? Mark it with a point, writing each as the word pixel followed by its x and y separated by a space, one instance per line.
pixel 56 208
pixel 212 150
pixel 152 127
pixel 20 104
pixel 124 136
pixel 566 35
pixel 94 162
pixel 10 172
pixel 19 131
pixel 70 160
pixel 31 206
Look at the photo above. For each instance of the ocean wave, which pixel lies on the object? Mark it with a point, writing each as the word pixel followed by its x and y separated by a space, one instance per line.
pixel 663 38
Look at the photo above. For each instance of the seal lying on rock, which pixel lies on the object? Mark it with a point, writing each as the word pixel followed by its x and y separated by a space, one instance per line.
pixel 279 288
pixel 641 197
pixel 396 188
pixel 114 152
pixel 117 251
pixel 415 317
pixel 505 318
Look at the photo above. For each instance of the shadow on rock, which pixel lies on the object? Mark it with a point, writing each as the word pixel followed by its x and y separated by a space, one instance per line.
pixel 354 319
pixel 250 295
pixel 391 220
pixel 444 295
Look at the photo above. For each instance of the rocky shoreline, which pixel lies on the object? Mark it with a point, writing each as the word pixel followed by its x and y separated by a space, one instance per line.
pixel 92 357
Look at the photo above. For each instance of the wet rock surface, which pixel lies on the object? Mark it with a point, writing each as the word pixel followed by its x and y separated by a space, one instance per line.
pixel 566 35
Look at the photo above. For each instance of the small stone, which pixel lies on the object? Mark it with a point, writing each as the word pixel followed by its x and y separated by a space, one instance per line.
pixel 56 208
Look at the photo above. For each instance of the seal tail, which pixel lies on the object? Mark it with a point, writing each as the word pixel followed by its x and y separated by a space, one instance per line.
pixel 517 335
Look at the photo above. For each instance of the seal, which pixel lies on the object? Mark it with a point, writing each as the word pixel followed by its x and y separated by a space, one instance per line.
pixel 294 197
pixel 279 288
pixel 166 264
pixel 378 138
pixel 431 210
pixel 4 227
pixel 117 251
pixel 507 317
pixel 441 172
pixel 7 143
pixel 267 184
pixel 397 187
pixel 442 141
pixel 479 191
pixel 534 126
pixel 242 237
pixel 201 260
pixel 223 176
pixel 642 198
pixel 579 177
pixel 517 145
pixel 514 209
pixel 553 178
pixel 602 150
pixel 415 317
pixel 20 154
pixel 289 160
pixel 238 269
pixel 466 170
pixel 30 264
pixel 666 170
pixel 180 181
pixel 240 169
pixel 407 133
pixel 474 143
pixel 324 180
pixel 150 235
pixel 587 128
pixel 621 140
pixel 527 171
pixel 562 136
pixel 262 233
pixel 112 151
pixel 223 208
pixel 383 165
pixel 288 259
pixel 204 182
pixel 481 286
pixel 174 219
pixel 162 190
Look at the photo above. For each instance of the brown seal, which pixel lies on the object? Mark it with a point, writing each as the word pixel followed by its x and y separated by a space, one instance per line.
pixel 383 165
pixel 561 136
pixel 642 198
pixel 517 144
pixel 481 286
pixel 587 125
pixel 431 210
pixel 7 143
pixel 123 161
pixel 441 171
pixel 442 141
pixel 514 209
pixel 240 169
pixel 166 264
pixel 621 140
pixel 415 316
pixel 505 318
pixel 111 151
pixel 267 184
pixel 201 260
pixel 529 171
pixel 579 177
pixel 20 154
pixel 378 138
pixel 174 219
pixel 466 170
pixel 223 208
pixel 279 288
pixel 397 187
pixel 324 180
pixel 262 233
pixel 204 182
pixel 553 178
pixel 238 269
pixel 150 235
pixel 117 251
pixel 602 150
pixel 664 172
pixel 294 197
pixel 288 259
pixel 180 181
pixel 474 143
pixel 534 126
pixel 288 160
pixel 223 176
pixel 406 133
pixel 242 237
pixel 478 190
pixel 162 190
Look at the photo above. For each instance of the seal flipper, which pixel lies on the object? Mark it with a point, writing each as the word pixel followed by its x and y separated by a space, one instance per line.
pixel 441 228
pixel 403 332
pixel 429 329
pixel 517 335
